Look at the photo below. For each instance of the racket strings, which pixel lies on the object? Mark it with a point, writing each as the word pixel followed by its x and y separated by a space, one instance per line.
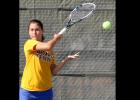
pixel 81 12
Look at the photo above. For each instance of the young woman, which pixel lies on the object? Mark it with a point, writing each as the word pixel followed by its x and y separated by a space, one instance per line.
pixel 36 82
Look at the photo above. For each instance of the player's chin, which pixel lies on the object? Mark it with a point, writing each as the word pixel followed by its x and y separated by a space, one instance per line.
pixel 39 38
pixel 34 38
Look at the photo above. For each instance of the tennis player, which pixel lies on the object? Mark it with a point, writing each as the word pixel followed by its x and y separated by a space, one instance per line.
pixel 36 82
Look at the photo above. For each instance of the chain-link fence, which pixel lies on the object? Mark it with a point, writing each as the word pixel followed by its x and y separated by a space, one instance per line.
pixel 92 76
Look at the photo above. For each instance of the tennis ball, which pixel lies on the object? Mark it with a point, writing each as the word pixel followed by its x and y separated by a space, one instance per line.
pixel 106 25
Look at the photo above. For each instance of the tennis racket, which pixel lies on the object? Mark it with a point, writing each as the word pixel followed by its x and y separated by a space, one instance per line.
pixel 79 13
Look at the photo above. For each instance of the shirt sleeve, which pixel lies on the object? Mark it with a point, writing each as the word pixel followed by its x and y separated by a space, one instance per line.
pixel 53 58
pixel 30 45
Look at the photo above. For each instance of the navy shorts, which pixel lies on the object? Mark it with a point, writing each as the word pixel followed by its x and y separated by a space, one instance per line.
pixel 35 95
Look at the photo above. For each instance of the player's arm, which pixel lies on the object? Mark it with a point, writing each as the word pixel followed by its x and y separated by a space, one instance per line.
pixel 48 45
pixel 56 68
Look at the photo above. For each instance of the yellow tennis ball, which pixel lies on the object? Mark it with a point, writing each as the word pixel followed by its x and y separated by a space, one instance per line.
pixel 106 25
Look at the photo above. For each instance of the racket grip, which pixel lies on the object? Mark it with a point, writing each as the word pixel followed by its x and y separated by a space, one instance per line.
pixel 63 31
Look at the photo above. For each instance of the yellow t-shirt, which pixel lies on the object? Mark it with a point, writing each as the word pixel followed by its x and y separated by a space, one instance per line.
pixel 37 74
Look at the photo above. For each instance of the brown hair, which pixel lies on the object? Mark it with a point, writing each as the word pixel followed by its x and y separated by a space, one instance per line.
pixel 36 21
pixel 40 24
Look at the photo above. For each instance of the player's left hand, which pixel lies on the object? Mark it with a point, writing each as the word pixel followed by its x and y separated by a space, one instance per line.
pixel 74 56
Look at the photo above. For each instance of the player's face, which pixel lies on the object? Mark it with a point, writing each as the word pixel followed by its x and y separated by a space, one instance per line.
pixel 35 31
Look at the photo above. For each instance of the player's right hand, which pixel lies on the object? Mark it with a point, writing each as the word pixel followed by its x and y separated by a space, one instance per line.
pixel 57 36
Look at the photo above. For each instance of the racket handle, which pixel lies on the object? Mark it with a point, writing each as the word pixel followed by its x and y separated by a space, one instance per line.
pixel 63 31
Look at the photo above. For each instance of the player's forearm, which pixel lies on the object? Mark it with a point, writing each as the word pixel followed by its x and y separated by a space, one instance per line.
pixel 48 45
pixel 57 68
pixel 60 66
